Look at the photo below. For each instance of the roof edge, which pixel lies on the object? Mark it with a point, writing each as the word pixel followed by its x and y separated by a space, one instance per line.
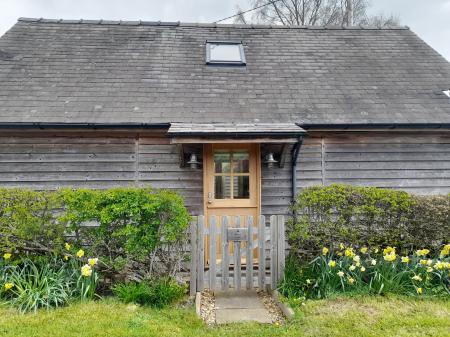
pixel 26 125
pixel 205 25
pixel 371 126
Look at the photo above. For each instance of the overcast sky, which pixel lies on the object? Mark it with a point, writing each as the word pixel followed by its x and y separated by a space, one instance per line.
pixel 430 19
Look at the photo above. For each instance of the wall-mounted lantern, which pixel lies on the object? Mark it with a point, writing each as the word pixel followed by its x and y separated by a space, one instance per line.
pixel 270 161
pixel 193 162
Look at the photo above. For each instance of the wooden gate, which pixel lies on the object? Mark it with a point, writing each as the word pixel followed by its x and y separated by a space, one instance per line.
pixel 234 253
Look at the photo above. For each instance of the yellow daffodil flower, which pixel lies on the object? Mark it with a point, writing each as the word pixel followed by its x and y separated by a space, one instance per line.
pixel 390 257
pixel 92 262
pixel 308 281
pixel 376 250
pixel 341 246
pixel 80 253
pixel 373 262
pixel 352 267
pixel 86 270
pixel 7 256
pixel 67 246
pixel 429 262
pixel 339 253
pixel 423 262
pixel 363 269
pixel 66 257
pixel 364 250
pixel 405 259
pixel 8 286
pixel 419 291
pixel 389 250
pixel 351 280
pixel 445 251
pixel 417 278
pixel 349 252
pixel 340 273
pixel 332 263
pixel 429 269
pixel 356 258
pixel 325 251
pixel 439 265
pixel 422 252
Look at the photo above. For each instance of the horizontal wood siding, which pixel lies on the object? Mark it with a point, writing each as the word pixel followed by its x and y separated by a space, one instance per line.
pixel 50 161
pixel 416 163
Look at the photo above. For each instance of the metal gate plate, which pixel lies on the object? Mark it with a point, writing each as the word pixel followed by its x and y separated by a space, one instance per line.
pixel 237 234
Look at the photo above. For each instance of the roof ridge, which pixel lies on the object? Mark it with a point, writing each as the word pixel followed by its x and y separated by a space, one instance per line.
pixel 211 25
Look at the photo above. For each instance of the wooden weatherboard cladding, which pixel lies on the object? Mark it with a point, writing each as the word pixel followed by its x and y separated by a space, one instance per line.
pixel 415 162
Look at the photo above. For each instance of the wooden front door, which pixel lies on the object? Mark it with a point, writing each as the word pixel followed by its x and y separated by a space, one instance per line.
pixel 231 185
pixel 232 179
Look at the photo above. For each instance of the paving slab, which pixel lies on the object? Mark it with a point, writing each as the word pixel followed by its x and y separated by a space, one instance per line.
pixel 241 306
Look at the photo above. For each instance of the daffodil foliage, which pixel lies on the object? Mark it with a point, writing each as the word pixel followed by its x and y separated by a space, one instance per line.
pixel 364 270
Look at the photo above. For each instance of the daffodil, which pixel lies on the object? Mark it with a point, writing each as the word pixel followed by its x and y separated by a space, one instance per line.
pixel 390 257
pixel 67 246
pixel 429 262
pixel 364 250
pixel 439 265
pixel 423 262
pixel 422 252
pixel 341 246
pixel 429 269
pixel 332 263
pixel 339 254
pixel 349 252
pixel 66 257
pixel 389 250
pixel 373 262
pixel 419 291
pixel 92 262
pixel 363 269
pixel 80 253
pixel 340 273
pixel 356 258
pixel 325 251
pixel 445 251
pixel 358 264
pixel 417 278
pixel 308 281
pixel 351 280
pixel 7 256
pixel 8 286
pixel 352 267
pixel 86 270
pixel 405 259
pixel 376 250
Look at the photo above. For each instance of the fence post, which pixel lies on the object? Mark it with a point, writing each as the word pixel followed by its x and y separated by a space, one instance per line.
pixel 201 254
pixel 237 259
pixel 273 251
pixel 212 253
pixel 281 247
pixel 225 255
pixel 194 257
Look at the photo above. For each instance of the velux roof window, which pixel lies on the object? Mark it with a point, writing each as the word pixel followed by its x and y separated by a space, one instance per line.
pixel 225 52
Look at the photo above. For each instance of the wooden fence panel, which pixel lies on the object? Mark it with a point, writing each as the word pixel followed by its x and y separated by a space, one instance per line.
pixel 249 254
pixel 262 252
pixel 212 253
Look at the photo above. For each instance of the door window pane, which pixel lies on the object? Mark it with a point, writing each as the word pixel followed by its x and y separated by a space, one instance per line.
pixel 222 162
pixel 222 187
pixel 240 162
pixel 241 187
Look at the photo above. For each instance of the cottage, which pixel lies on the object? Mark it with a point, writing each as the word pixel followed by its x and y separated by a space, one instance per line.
pixel 237 118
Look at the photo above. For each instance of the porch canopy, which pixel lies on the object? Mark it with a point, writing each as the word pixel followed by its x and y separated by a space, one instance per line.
pixel 188 133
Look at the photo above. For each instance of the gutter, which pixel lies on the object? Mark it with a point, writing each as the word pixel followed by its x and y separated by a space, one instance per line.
pixel 93 126
pixel 371 126
pixel 294 156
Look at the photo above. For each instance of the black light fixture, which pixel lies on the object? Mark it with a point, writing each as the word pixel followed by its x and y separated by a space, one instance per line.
pixel 270 161
pixel 193 162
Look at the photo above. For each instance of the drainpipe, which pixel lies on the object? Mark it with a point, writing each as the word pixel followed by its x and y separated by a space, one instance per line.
pixel 294 156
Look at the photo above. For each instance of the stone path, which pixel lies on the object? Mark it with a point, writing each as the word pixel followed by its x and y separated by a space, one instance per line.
pixel 240 306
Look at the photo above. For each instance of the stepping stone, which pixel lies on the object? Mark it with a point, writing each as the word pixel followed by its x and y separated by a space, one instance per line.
pixel 243 306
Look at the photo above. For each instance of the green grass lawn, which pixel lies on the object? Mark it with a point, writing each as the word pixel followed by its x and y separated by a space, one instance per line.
pixel 360 317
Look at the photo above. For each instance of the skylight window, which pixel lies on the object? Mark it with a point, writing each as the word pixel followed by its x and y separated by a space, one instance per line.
pixel 220 52
pixel 447 93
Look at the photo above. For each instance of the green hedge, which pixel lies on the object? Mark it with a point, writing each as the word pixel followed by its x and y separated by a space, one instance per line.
pixel 136 233
pixel 360 216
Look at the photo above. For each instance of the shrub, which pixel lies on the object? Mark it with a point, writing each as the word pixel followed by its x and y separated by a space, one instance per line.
pixel 366 216
pixel 158 293
pixel 369 271
pixel 139 233
pixel 28 221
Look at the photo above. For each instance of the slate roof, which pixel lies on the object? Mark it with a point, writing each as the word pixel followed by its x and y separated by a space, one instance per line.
pixel 81 71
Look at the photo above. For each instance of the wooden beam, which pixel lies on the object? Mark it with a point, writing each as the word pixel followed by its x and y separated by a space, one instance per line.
pixel 198 140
